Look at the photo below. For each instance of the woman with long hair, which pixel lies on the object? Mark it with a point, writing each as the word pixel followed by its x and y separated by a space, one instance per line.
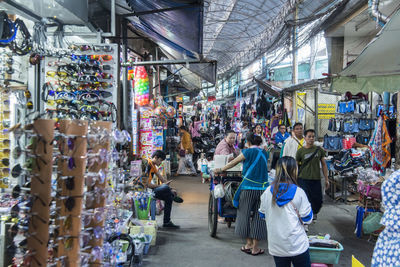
pixel 248 224
pixel 287 209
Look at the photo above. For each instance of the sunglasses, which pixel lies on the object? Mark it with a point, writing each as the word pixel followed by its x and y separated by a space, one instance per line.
pixel 5 171
pixel 88 78
pixel 80 47
pixel 92 217
pixel 105 48
pixel 69 201
pixel 95 85
pixel 87 68
pixel 105 76
pixel 85 59
pixel 101 57
pixel 93 177
pixel 59 74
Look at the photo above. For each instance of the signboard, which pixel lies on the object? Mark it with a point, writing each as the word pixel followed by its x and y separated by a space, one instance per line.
pixel 211 98
pixel 300 107
pixel 326 111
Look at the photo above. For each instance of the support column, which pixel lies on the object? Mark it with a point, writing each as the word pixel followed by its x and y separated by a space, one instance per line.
pixel 335 46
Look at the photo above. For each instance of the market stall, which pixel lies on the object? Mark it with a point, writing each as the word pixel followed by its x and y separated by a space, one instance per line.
pixel 66 164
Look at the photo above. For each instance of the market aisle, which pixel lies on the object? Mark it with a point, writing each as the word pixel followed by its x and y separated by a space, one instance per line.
pixel 192 245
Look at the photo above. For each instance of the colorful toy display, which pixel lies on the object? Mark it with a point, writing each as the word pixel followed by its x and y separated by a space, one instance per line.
pixel 141 86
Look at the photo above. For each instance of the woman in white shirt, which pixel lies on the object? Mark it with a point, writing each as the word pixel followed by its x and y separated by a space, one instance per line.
pixel 286 208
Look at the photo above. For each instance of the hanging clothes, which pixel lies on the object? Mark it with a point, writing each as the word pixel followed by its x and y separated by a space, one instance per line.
pixel 380 145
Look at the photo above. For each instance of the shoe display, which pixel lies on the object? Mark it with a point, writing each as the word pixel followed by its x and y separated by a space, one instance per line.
pixel 171 225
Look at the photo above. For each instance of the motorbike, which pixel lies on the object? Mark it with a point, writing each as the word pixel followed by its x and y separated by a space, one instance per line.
pixel 204 144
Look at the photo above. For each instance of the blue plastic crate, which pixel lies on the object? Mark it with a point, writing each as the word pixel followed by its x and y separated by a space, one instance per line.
pixel 325 255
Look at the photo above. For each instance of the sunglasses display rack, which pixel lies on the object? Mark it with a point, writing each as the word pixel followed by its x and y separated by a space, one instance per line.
pixel 70 190
pixel 5 139
pixel 82 84
pixel 97 187
pixel 38 233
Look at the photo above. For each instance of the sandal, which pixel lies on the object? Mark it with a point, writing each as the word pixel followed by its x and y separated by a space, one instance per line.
pixel 261 251
pixel 245 250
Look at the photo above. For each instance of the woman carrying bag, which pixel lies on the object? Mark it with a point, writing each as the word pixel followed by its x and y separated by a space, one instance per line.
pixel 287 210
pixel 186 151
pixel 249 225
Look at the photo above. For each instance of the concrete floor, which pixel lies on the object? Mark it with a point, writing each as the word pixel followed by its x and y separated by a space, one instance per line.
pixel 192 245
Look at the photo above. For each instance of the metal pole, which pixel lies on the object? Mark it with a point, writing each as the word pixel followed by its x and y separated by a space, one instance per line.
pixel 164 62
pixel 294 47
pixel 125 91
pixel 316 127
pixel 113 28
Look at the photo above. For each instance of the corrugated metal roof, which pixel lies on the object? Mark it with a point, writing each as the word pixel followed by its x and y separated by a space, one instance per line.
pixel 236 32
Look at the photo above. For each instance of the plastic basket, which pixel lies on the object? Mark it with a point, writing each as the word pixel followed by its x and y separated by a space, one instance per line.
pixel 372 223
pixel 325 255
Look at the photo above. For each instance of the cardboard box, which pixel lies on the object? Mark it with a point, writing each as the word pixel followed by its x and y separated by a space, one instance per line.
pixel 149 228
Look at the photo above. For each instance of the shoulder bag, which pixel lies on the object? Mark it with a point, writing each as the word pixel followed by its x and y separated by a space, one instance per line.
pixel 307 161
pixel 298 216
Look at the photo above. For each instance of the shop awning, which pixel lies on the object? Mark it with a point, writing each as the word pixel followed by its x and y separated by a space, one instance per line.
pixel 269 88
pixel 377 68
pixel 177 24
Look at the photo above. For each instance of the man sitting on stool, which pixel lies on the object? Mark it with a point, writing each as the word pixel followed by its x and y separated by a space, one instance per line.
pixel 161 188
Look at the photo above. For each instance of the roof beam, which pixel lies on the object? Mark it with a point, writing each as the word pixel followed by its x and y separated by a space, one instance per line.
pixel 161 10
pixel 165 62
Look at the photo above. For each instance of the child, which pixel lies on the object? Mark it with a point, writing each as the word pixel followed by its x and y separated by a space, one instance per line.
pixel 202 166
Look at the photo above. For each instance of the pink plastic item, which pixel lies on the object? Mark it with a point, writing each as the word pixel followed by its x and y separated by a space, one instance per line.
pixel 321 265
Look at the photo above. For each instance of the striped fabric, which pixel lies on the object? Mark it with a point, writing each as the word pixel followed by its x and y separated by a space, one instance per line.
pixel 248 221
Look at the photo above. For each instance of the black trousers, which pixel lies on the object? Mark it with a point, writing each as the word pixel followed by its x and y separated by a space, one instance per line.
pixel 313 191
pixel 275 158
pixel 302 260
pixel 163 192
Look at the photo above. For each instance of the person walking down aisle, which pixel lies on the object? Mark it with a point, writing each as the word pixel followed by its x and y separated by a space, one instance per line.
pixel 248 224
pixel 294 142
pixel 285 207
pixel 186 165
pixel 280 138
pixel 258 131
pixel 309 159
pixel 160 187
pixel 195 126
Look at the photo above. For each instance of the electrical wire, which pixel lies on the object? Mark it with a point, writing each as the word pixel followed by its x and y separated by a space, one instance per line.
pixel 238 52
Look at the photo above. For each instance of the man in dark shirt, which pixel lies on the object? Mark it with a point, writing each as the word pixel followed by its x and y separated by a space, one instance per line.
pixel 310 159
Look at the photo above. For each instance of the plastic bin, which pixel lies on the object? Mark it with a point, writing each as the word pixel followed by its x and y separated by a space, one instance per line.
pixel 147 244
pixel 325 255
